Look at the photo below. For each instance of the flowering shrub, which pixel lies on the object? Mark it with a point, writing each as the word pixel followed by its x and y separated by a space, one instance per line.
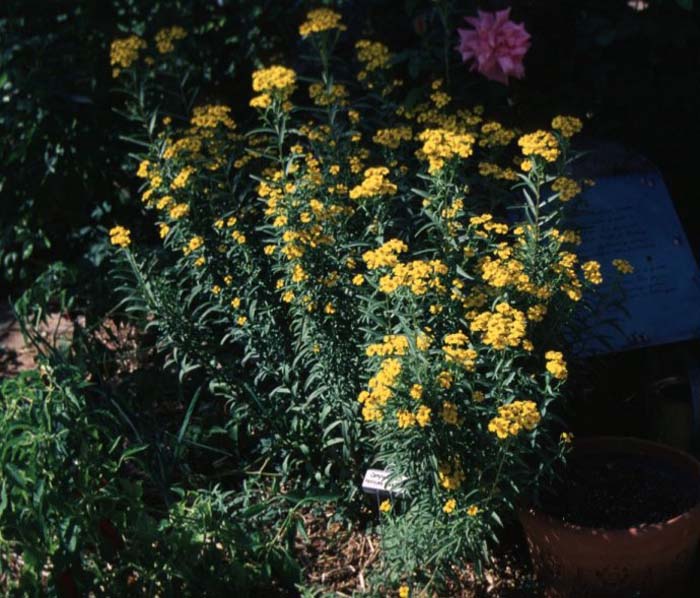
pixel 367 280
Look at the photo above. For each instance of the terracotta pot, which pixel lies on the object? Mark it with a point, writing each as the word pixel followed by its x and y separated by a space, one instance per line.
pixel 652 560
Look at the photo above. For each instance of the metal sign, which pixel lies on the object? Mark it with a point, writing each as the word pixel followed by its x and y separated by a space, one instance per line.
pixel 632 217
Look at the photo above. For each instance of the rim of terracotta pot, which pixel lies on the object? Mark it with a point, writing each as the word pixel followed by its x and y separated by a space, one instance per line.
pixel 627 444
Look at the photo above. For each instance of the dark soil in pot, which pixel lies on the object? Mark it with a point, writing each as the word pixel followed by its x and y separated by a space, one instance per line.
pixel 616 491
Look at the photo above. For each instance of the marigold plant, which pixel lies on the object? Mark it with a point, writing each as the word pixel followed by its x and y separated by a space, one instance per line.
pixel 368 280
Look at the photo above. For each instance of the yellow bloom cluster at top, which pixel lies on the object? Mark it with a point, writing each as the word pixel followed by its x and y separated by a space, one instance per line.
pixel 591 272
pixel 418 276
pixel 380 389
pixel 374 184
pixel 124 52
pixel 120 236
pixel 393 344
pixel 623 266
pixel 274 81
pixel 514 417
pixel 319 20
pixel 503 328
pixel 440 145
pixel 165 38
pixel 451 475
pixel 392 138
pixel 321 96
pixel 556 364
pixel 566 188
pixel 568 126
pixel 456 350
pixel 209 116
pixel 540 143
pixel 372 55
pixel 386 255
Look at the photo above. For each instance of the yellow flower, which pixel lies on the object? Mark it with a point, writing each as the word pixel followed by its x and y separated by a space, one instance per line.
pixel 416 391
pixel 566 188
pixel 269 249
pixel 514 417
pixel 472 511
pixel 179 210
pixel 163 230
pixel 329 309
pixel 478 396
pixel 385 506
pixel 623 266
pixel 358 280
pixel 567 125
pixel 120 236
pixel 374 184
pixel 450 506
pixel 236 302
pixel 319 20
pixel 241 320
pixel 591 272
pixel 216 289
pixel 372 55
pixel 540 143
pixel 404 591
pixel 556 364
pixel 182 177
pixel 440 145
pixel 165 38
pixel 445 379
pixel 566 437
pixel 212 115
pixel 449 413
pixel 124 52
pixel 423 416
pixel 276 80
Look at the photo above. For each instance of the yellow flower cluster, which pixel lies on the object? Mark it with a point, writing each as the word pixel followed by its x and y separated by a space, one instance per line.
pixel 393 137
pixel 193 244
pixel 179 210
pixel 166 37
pixel 495 171
pixel 451 475
pixel 319 20
pixel 495 134
pixel 124 52
pixel 566 187
pixel 386 255
pixel 514 417
pixel 275 81
pixel 120 236
pixel 623 266
pixel 418 276
pixel 449 413
pixel 503 328
pixel 450 506
pixel 568 126
pixel 556 364
pixel 440 145
pixel 321 96
pixel 456 350
pixel 180 181
pixel 372 55
pixel 374 184
pixel 536 313
pixel 591 272
pixel 393 344
pixel 212 115
pixel 540 143
pixel 380 389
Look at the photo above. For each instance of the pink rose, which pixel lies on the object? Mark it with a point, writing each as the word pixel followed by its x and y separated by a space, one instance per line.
pixel 496 45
